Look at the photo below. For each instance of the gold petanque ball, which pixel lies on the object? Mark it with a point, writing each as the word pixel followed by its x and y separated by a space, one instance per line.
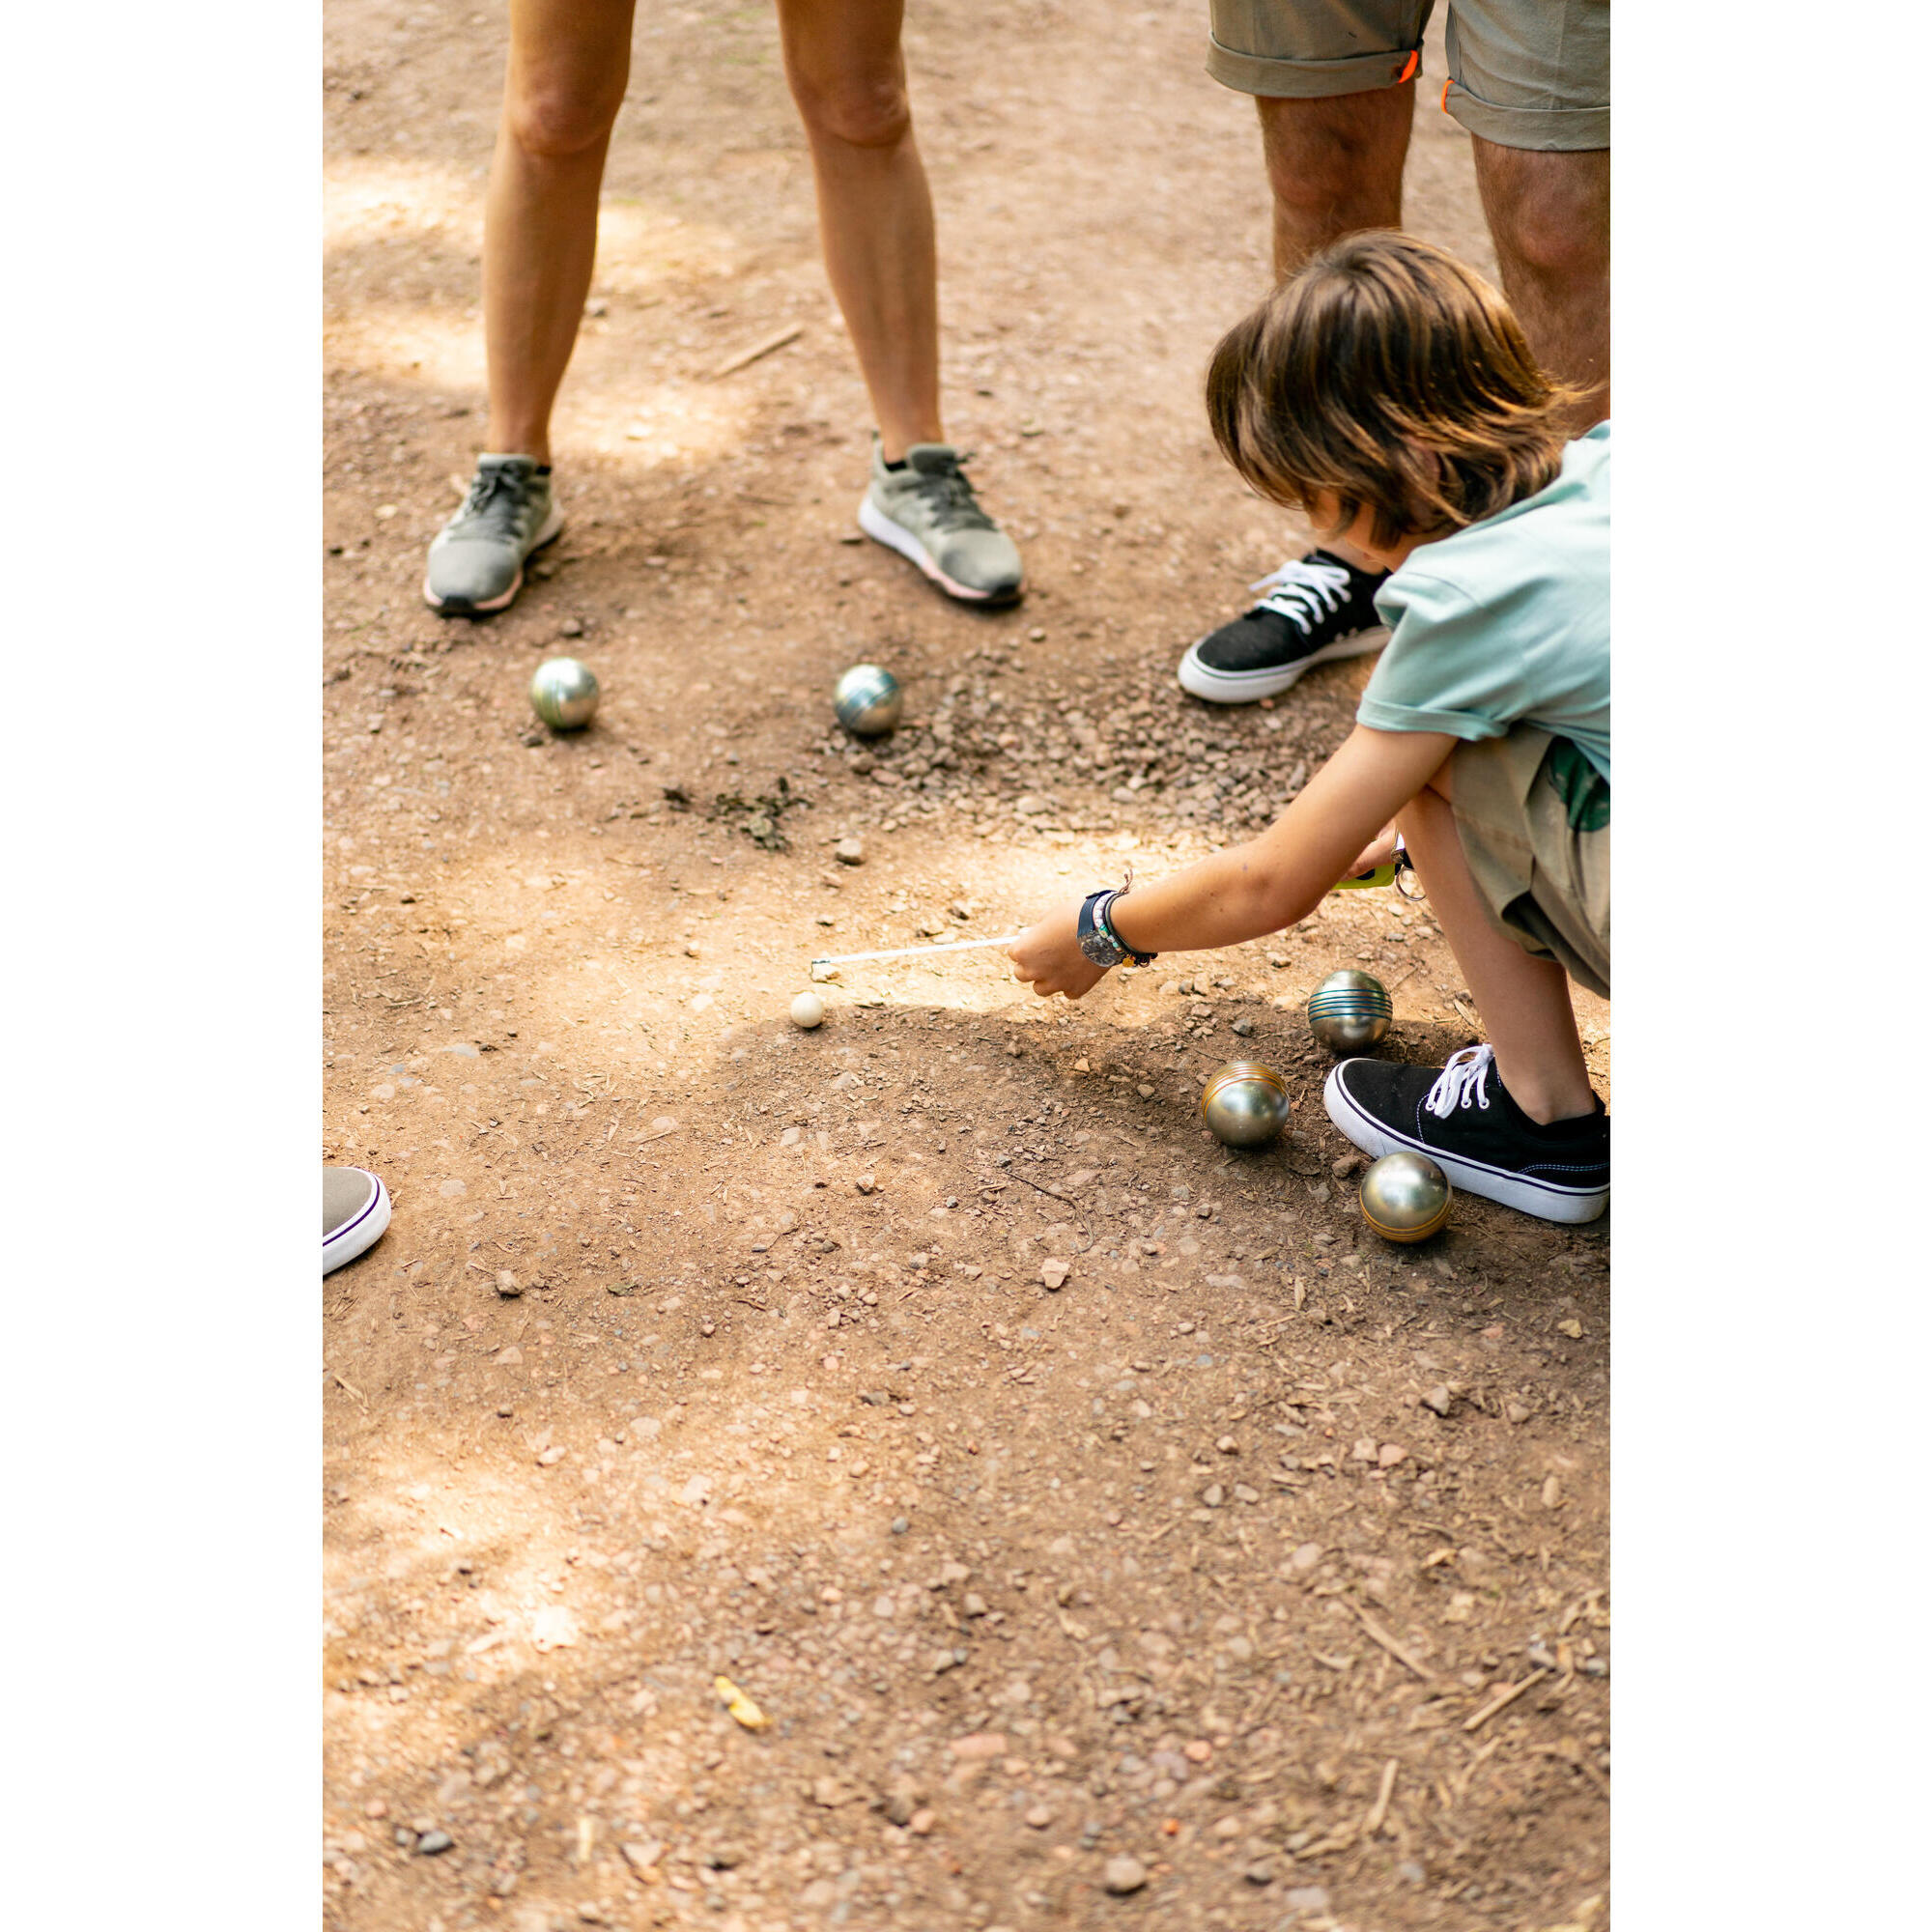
pixel 1405 1196
pixel 1245 1103
pixel 1350 1010
pixel 867 700
pixel 563 694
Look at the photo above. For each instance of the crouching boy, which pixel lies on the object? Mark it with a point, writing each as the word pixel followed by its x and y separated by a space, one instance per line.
pixel 1387 392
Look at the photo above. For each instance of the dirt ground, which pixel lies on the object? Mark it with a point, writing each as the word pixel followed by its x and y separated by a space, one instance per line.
pixel 1262 1554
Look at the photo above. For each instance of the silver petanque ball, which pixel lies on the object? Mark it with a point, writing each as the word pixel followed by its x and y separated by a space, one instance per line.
pixel 1245 1103
pixel 867 700
pixel 563 694
pixel 1350 1010
pixel 1405 1196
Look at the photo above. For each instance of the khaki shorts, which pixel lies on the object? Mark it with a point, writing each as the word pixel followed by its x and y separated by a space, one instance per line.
pixel 1543 881
pixel 1522 73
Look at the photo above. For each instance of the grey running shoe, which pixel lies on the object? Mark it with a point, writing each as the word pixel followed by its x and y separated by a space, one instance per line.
pixel 476 562
pixel 928 512
pixel 355 1211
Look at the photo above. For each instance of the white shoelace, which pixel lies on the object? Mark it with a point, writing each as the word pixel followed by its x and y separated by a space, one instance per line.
pixel 1460 1082
pixel 1303 593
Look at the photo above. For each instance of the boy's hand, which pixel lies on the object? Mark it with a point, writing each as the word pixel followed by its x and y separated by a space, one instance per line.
pixel 1378 852
pixel 1048 957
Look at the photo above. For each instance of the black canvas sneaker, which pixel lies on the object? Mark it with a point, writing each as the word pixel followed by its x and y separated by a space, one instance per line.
pixel 1318 608
pixel 355 1211
pixel 1464 1119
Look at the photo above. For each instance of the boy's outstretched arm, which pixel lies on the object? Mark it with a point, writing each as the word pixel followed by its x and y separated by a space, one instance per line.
pixel 1259 886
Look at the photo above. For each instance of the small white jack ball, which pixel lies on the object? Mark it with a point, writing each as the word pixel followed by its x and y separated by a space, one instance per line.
pixel 808 1010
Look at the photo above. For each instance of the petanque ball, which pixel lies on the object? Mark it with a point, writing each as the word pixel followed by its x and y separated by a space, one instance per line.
pixel 563 694
pixel 1350 1010
pixel 867 700
pixel 1405 1196
pixel 1245 1103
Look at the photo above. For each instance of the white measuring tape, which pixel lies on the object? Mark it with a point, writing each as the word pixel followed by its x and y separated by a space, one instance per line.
pixel 914 951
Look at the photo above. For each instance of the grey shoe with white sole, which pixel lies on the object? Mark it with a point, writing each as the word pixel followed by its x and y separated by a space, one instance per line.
pixel 928 512
pixel 476 562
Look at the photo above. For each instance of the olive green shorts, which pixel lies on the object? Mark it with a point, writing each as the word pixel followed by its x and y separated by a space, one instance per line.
pixel 1535 824
pixel 1522 73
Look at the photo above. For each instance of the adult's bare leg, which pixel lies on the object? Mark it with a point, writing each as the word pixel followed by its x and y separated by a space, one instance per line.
pixel 1334 165
pixel 568 65
pixel 1524 1001
pixel 847 77
pixel 1549 215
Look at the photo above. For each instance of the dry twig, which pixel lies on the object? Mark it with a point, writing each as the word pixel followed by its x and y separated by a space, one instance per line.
pixel 1502 1700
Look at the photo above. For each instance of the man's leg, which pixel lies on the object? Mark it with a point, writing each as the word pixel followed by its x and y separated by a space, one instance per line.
pixel 1334 165
pixel 1549 215
pixel 847 77
pixel 569 62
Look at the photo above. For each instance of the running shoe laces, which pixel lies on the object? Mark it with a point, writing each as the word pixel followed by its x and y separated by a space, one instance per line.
pixel 952 494
pixel 1305 589
pixel 1460 1082
pixel 496 495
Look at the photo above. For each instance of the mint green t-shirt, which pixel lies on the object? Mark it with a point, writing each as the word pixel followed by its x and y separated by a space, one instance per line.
pixel 1508 621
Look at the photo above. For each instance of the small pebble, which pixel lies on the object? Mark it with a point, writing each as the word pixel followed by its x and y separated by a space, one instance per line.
pixel 1039 1817
pixel 1437 1399
pixel 1124 1874
pixel 433 1842
pixel 571 627
pixel 866 1182
pixel 507 1285
pixel 850 852
pixel 1260 1874
pixel 1054 1274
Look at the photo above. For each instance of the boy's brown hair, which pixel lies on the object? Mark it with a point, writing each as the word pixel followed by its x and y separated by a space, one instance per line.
pixel 1390 375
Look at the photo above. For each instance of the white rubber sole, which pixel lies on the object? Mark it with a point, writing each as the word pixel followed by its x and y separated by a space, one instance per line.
pixel 360 1233
pixel 552 528
pixel 1244 687
pixel 1547 1201
pixel 881 528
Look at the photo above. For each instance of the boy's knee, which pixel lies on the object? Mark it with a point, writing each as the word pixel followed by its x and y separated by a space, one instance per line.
pixel 555 120
pixel 860 111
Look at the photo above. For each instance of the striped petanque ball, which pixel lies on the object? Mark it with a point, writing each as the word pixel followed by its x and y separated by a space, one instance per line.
pixel 1350 1010
pixel 867 700
pixel 1245 1103
pixel 1405 1196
